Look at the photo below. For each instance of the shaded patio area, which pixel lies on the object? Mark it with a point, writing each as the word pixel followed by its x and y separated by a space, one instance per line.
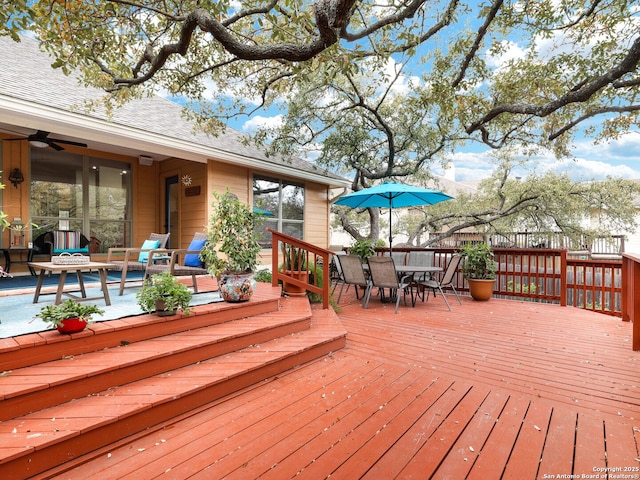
pixel 503 389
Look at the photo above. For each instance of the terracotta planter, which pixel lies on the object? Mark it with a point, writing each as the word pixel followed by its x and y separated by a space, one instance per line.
pixel 295 290
pixel 72 325
pixel 237 288
pixel 480 290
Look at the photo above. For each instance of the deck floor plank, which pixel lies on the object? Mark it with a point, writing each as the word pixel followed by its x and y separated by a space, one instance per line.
pixel 590 445
pixel 496 451
pixel 464 452
pixel 620 443
pixel 525 457
pixel 418 432
pixel 559 443
pixel 311 439
pixel 430 455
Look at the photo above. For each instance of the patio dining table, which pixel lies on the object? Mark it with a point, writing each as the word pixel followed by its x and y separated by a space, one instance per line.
pixel 417 269
pixel 406 269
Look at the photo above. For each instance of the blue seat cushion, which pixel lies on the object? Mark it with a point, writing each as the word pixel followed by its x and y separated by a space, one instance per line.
pixel 71 250
pixel 193 259
pixel 148 245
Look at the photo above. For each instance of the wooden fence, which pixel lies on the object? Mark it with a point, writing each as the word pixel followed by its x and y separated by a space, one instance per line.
pixel 610 245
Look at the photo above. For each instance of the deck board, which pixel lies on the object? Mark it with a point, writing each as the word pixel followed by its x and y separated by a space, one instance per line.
pixel 464 452
pixel 528 448
pixel 557 455
pixel 428 458
pixel 590 444
pixel 496 451
pixel 503 389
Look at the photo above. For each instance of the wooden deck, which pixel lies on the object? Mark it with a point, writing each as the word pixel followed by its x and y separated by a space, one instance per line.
pixel 502 389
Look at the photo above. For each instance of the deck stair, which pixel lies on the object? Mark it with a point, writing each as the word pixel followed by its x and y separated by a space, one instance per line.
pixel 63 397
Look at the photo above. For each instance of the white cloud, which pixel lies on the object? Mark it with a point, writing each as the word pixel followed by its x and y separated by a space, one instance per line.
pixel 471 166
pixel 512 51
pixel 258 121
pixel 404 84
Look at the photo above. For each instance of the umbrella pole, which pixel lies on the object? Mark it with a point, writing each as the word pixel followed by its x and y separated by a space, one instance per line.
pixel 390 234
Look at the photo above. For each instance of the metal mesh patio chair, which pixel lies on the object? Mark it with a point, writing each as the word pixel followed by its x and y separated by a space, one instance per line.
pixel 382 271
pixel 337 277
pixel 420 259
pixel 446 281
pixel 352 273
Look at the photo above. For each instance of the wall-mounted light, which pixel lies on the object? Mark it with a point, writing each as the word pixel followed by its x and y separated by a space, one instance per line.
pixel 16 177
pixel 145 160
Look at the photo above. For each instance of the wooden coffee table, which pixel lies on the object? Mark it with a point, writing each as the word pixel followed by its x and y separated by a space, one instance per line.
pixel 50 267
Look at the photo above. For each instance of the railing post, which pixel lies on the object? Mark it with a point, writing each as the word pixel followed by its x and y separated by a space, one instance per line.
pixel 275 249
pixel 563 278
pixel 631 301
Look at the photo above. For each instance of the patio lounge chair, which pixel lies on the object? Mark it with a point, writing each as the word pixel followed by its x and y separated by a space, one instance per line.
pixel 445 281
pixel 352 273
pixel 191 265
pixel 135 259
pixel 383 275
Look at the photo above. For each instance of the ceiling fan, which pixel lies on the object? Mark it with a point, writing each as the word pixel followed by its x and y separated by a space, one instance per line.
pixel 41 139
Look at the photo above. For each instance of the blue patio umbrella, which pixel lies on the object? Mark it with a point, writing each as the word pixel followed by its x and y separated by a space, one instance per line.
pixel 392 195
pixel 260 211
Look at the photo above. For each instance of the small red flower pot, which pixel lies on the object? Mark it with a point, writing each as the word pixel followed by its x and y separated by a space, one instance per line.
pixel 72 325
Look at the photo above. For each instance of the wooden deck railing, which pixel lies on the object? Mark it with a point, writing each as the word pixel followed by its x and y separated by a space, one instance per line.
pixel 630 296
pixel 548 275
pixel 314 259
pixel 532 274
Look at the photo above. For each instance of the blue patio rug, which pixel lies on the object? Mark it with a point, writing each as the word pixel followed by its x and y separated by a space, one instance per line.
pixel 17 312
pixel 29 281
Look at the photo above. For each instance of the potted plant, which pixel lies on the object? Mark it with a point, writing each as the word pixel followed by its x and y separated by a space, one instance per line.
pixel 479 269
pixel 232 247
pixel 69 316
pixel 164 294
pixel 294 265
pixel 364 248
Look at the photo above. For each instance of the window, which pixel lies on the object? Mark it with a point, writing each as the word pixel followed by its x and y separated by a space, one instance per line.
pixel 76 192
pixel 282 204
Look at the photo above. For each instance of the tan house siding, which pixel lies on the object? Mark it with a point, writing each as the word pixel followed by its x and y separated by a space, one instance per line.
pixel 316 215
pixel 146 208
pixel 15 201
pixel 223 175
